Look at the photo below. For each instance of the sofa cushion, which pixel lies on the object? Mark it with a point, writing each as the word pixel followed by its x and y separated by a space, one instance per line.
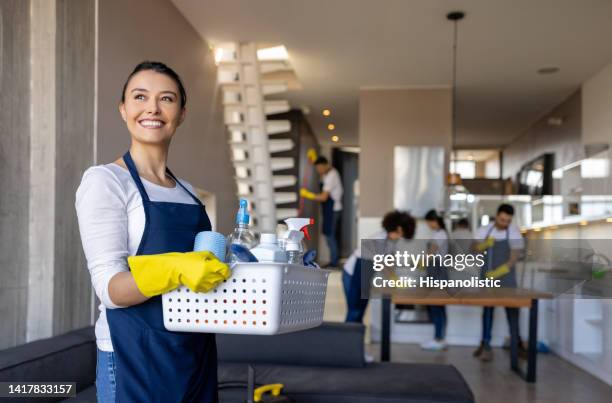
pixel 331 344
pixel 380 382
pixel 69 357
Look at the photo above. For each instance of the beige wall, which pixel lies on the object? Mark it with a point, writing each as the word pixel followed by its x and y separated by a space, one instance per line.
pixel 596 101
pixel 137 30
pixel 388 118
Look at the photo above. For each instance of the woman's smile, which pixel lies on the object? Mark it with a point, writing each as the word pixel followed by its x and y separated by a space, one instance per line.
pixel 151 123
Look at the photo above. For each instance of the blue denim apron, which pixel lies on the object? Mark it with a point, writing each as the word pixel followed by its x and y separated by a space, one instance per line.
pixel 497 255
pixel 154 364
pixel 327 208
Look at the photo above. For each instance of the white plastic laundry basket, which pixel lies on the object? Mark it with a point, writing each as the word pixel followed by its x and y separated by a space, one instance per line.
pixel 259 298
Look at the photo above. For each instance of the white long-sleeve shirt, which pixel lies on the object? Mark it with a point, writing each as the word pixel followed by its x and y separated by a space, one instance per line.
pixel 111 223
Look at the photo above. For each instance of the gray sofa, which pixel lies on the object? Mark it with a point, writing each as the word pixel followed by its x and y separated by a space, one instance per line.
pixel 324 364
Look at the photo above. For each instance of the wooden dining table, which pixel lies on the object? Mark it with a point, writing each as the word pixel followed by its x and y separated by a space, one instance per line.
pixel 504 297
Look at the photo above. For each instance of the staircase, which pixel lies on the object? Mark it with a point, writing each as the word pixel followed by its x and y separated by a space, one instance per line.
pixel 242 74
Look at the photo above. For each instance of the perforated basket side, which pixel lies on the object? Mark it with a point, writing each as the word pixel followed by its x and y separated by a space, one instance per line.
pixel 302 298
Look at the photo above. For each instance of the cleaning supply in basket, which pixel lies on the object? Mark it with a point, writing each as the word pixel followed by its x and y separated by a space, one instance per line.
pixel 293 247
pixel 309 259
pixel 242 234
pixel 211 241
pixel 242 254
pixel 297 231
pixel 268 249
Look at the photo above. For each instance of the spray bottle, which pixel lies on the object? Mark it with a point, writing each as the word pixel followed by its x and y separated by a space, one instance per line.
pixel 297 230
pixel 242 234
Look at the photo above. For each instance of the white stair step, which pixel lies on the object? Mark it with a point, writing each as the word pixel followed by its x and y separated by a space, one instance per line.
pixel 274 87
pixel 280 181
pixel 279 163
pixel 231 97
pixel 225 52
pixel 274 107
pixel 285 197
pixel 233 115
pixel 278 126
pixel 273 66
pixel 280 145
pixel 228 75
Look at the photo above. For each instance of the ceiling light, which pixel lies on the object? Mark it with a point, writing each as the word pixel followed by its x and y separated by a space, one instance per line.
pixel 548 70
pixel 335 139
pixel 331 126
pixel 470 157
pixel 273 53
pixel 609 219
pixel 537 229
pixel 583 223
pixel 326 112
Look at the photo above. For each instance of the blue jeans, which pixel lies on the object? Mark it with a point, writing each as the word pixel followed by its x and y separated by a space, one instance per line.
pixel 437 314
pixel 332 242
pixel 356 305
pixel 105 377
pixel 487 324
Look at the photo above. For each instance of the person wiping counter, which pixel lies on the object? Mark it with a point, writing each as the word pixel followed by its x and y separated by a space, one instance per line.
pixel 501 242
pixel 138 223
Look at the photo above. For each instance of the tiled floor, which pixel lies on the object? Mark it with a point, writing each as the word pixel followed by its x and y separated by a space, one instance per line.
pixel 558 381
pixel 494 382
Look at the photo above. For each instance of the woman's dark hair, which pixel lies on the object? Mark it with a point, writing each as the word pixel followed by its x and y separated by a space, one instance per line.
pixel 405 221
pixel 432 215
pixel 160 68
pixel 408 226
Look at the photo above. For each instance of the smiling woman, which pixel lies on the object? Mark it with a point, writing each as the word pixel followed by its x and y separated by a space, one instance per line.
pixel 136 206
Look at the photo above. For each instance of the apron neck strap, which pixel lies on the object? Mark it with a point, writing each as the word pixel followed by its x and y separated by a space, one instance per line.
pixel 129 162
pixel 178 182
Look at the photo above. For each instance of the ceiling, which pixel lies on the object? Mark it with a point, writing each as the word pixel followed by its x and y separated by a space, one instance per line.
pixel 340 46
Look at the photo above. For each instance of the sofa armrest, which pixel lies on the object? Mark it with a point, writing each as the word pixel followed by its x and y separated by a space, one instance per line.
pixel 68 357
pixel 331 344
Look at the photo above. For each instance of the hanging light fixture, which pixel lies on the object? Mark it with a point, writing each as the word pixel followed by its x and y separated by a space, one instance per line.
pixel 457 195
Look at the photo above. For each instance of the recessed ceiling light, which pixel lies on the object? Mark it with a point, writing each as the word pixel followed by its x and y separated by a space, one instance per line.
pixel 470 157
pixel 326 112
pixel 335 139
pixel 548 70
pixel 331 126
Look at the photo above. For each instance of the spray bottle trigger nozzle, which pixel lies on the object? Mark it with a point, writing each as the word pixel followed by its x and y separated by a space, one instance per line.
pixel 305 231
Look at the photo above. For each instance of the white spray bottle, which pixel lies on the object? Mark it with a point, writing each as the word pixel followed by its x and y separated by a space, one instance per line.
pixel 297 230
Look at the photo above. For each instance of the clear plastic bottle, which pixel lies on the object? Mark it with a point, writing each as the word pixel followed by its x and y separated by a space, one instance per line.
pixel 242 234
pixel 293 247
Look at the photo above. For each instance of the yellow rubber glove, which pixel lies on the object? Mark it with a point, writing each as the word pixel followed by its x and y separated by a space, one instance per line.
pixel 486 244
pixel 498 272
pixel 157 274
pixel 307 194
pixel 311 154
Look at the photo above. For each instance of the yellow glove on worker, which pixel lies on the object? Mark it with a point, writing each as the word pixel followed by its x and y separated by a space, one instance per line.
pixel 157 274
pixel 498 272
pixel 486 244
pixel 307 194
